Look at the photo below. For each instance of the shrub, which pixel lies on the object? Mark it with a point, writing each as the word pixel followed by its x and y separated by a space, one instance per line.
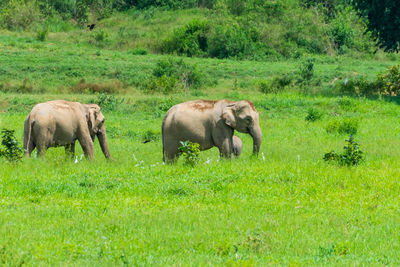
pixel 344 126
pixel 139 51
pixel 389 82
pixel 189 40
pixel 41 34
pixel 352 154
pixel 306 69
pixel 170 75
pixel 313 114
pixel 276 84
pixel 357 86
pixel 19 14
pixel 190 151
pixel 108 102
pixel 10 148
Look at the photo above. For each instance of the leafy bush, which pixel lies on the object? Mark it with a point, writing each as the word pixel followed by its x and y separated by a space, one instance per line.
pixel 41 34
pixel 357 86
pixel 19 14
pixel 344 126
pixel 276 84
pixel 341 30
pixel 306 69
pixel 389 82
pixel 10 148
pixel 189 40
pixel 313 114
pixel 139 51
pixel 190 151
pixel 352 154
pixel 108 102
pixel 173 74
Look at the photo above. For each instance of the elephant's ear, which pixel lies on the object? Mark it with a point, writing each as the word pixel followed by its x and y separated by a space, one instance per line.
pixel 228 115
pixel 91 118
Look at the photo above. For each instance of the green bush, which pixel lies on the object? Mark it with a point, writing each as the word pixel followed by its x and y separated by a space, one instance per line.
pixel 306 69
pixel 389 81
pixel 313 114
pixel 108 102
pixel 343 126
pixel 190 151
pixel 189 40
pixel 172 74
pixel 352 154
pixel 140 51
pixel 19 14
pixel 357 86
pixel 41 34
pixel 276 84
pixel 10 148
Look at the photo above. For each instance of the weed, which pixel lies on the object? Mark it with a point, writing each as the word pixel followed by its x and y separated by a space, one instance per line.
pixel 10 148
pixel 41 34
pixel 306 69
pixel 108 102
pixel 313 114
pixel 352 154
pixel 389 82
pixel 190 151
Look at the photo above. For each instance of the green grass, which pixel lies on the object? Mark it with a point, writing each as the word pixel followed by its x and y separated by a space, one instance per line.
pixel 291 208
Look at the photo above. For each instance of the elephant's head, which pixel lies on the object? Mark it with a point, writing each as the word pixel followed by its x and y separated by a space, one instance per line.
pixel 243 117
pixel 95 120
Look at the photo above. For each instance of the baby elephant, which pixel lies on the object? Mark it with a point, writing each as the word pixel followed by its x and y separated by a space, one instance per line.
pixel 237 145
pixel 61 123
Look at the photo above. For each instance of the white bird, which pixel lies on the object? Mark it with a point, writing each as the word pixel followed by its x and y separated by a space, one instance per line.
pixel 208 161
pixel 262 155
pixel 76 159
pixel 345 81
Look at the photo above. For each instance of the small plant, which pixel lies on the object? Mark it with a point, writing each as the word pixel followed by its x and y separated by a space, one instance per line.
pixel 108 102
pixel 10 148
pixel 190 151
pixel 389 82
pixel 352 154
pixel 42 34
pixel 307 69
pixel 313 114
pixel 139 51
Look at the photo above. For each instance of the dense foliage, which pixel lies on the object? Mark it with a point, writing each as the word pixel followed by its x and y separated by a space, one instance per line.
pixel 240 29
pixel 383 20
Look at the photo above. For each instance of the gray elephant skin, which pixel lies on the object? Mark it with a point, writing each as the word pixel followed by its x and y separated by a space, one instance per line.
pixel 237 145
pixel 209 123
pixel 61 123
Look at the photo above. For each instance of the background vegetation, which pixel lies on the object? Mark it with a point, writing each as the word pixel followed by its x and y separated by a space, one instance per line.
pixel 316 76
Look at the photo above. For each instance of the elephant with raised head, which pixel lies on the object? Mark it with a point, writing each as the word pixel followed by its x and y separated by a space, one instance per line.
pixel 209 123
pixel 61 123
pixel 237 145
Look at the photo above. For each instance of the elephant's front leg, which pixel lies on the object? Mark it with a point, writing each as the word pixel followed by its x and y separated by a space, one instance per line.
pixel 226 148
pixel 87 144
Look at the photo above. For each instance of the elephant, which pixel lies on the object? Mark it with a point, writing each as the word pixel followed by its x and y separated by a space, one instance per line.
pixel 237 145
pixel 209 123
pixel 61 123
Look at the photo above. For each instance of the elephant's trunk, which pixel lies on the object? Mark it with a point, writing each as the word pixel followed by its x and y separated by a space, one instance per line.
pixel 101 134
pixel 255 132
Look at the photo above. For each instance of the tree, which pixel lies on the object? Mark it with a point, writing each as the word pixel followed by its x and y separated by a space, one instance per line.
pixel 383 21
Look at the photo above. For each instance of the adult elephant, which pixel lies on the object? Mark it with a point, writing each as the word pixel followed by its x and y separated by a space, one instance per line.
pixel 209 123
pixel 61 123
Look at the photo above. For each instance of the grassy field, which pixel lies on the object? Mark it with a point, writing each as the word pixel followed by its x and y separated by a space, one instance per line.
pixel 286 207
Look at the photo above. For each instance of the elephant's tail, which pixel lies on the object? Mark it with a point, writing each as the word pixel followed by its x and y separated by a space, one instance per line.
pixel 27 134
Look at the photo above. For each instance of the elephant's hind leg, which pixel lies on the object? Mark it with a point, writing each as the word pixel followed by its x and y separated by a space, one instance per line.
pixel 171 153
